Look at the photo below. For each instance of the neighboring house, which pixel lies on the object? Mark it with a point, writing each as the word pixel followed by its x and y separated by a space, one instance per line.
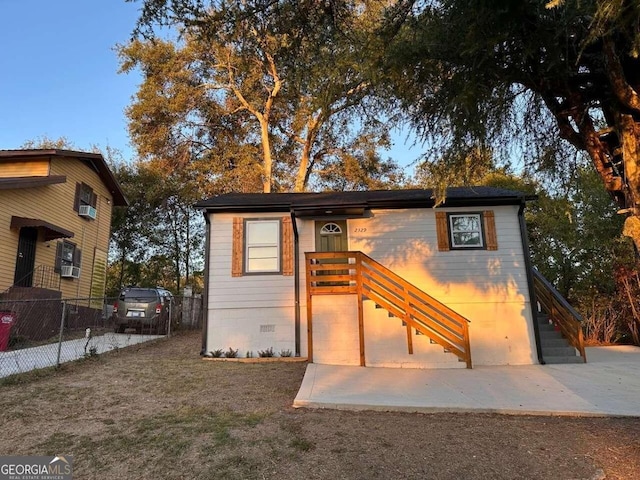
pixel 55 222
pixel 377 278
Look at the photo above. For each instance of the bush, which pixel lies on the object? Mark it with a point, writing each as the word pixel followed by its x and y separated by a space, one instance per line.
pixel 266 353
pixel 231 353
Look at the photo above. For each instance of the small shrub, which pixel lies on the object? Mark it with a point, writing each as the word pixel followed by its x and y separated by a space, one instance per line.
pixel 266 353
pixel 217 353
pixel 231 353
pixel 285 353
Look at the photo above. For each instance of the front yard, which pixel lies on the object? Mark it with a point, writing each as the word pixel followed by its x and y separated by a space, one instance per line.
pixel 158 411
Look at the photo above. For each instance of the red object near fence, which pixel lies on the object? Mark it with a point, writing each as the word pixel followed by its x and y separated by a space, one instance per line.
pixel 7 319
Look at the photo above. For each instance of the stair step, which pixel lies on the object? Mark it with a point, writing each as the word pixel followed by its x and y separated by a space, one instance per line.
pixel 553 342
pixel 549 334
pixel 558 352
pixel 558 360
pixel 546 326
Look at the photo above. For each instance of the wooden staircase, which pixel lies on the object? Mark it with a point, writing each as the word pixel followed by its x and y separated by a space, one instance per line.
pixel 342 273
pixel 559 325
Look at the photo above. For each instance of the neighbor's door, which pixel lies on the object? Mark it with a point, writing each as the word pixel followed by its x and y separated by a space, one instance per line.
pixel 26 257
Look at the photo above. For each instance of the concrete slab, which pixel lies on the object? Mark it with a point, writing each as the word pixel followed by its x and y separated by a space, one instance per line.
pixel 608 385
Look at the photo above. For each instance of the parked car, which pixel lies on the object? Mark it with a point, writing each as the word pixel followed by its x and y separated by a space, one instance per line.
pixel 148 310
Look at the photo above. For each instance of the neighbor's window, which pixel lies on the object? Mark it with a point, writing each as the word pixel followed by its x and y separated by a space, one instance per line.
pixel 466 230
pixel 67 254
pixel 84 197
pixel 262 246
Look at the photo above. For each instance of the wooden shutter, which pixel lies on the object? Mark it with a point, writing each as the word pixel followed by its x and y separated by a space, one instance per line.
pixel 491 238
pixel 237 250
pixel 94 199
pixel 58 261
pixel 442 228
pixel 287 246
pixel 77 257
pixel 76 199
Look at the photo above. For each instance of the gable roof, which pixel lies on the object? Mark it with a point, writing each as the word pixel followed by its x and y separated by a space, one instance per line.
pixel 93 160
pixel 316 203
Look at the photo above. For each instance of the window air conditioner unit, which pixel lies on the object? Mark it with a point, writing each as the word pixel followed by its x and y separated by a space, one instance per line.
pixel 69 271
pixel 87 211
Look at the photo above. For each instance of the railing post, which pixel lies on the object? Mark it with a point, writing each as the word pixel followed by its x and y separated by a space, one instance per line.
pixel 64 308
pixel 467 344
pixel 405 305
pixel 360 307
pixel 307 262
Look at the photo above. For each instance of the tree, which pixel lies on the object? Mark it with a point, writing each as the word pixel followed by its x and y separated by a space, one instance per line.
pixel 494 72
pixel 159 232
pixel 268 87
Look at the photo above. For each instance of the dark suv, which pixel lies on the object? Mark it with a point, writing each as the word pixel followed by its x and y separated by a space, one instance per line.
pixel 145 309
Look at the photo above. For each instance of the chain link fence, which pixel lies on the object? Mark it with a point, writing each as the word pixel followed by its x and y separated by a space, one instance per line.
pixel 46 332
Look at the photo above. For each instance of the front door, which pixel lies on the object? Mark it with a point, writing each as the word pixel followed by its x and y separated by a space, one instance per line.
pixel 331 236
pixel 26 257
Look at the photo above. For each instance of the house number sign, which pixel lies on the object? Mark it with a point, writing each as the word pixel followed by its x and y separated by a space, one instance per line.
pixel 360 230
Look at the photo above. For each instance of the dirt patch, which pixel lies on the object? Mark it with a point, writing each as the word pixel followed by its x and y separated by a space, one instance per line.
pixel 158 411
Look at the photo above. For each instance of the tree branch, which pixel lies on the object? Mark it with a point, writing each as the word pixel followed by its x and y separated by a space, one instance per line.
pixel 623 91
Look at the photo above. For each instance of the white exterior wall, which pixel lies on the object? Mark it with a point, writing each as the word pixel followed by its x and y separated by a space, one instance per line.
pixel 252 312
pixel 487 287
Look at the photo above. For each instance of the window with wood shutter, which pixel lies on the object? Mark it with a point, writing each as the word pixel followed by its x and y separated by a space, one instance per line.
pixel 67 255
pixel 262 246
pixel 85 201
pixel 466 230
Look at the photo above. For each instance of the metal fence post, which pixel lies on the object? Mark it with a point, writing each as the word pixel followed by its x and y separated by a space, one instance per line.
pixel 64 308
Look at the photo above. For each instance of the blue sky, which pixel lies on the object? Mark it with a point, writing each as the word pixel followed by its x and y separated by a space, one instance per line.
pixel 59 74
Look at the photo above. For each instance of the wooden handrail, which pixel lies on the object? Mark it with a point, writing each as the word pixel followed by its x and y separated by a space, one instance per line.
pixel 560 312
pixel 360 274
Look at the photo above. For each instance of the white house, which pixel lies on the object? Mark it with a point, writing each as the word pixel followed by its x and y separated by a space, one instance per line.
pixel 378 278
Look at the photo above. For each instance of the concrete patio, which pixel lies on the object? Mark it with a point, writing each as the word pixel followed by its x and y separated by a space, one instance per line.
pixel 608 385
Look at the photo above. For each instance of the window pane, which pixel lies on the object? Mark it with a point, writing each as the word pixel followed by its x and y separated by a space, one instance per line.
pixel 465 223
pixel 262 233
pixel 67 252
pixel 467 239
pixel 262 252
pixel 262 265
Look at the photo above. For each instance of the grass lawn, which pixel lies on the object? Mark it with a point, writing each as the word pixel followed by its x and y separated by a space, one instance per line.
pixel 158 411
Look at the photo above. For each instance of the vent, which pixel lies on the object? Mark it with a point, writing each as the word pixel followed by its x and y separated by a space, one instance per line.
pixel 87 211
pixel 267 328
pixel 68 271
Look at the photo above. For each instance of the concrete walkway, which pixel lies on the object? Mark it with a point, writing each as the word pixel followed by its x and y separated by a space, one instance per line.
pixel 608 385
pixel 20 361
